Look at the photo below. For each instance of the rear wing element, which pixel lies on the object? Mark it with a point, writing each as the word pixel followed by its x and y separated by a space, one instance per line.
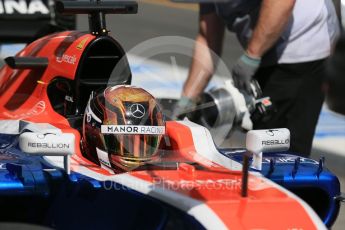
pixel 97 11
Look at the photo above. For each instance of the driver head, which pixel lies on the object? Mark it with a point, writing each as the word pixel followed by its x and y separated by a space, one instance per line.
pixel 122 127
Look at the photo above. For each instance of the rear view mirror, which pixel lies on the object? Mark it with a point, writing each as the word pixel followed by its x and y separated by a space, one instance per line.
pixel 266 140
pixel 49 144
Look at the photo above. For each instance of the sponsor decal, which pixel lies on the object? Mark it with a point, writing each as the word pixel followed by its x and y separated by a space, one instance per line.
pixel 43 135
pixel 88 117
pixel 23 7
pixel 2 166
pixel 81 44
pixel 38 108
pixel 67 59
pixel 104 162
pixel 41 82
pixel 103 157
pixel 132 129
pixel 69 98
pixel 271 132
pixel 275 142
pixel 137 110
pixel 266 102
pixel 45 145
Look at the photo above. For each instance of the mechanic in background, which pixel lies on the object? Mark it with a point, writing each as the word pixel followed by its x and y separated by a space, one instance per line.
pixel 286 44
pixel 335 82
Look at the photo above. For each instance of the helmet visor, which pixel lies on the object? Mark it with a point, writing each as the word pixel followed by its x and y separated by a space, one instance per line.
pixel 131 150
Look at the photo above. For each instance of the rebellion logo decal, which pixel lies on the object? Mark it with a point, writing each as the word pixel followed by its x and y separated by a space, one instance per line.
pixel 276 142
pixel 46 145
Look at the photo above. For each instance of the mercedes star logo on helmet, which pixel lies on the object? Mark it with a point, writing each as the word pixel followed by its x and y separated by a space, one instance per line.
pixel 137 110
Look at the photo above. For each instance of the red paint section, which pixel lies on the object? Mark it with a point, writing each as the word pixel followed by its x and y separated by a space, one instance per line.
pixel 265 207
pixel 182 146
pixel 24 99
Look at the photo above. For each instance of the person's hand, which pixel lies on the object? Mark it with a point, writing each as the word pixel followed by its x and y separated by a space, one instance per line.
pixel 184 106
pixel 244 70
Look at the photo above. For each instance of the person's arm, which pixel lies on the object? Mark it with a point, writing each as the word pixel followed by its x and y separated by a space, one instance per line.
pixel 210 37
pixel 273 18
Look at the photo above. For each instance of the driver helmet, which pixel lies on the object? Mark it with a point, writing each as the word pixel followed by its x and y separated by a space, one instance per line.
pixel 122 127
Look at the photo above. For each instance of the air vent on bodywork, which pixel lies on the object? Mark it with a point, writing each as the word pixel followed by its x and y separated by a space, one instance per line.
pixel 96 66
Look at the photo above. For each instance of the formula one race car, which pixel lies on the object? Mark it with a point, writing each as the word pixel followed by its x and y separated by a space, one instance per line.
pixel 81 148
